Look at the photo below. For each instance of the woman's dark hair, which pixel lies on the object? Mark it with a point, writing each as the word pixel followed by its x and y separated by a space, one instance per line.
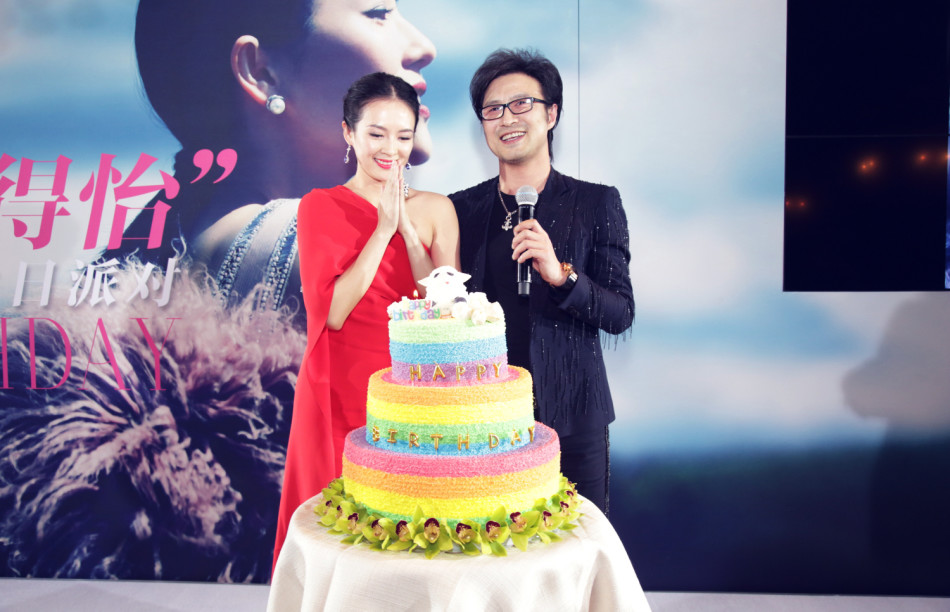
pixel 183 49
pixel 373 87
pixel 527 61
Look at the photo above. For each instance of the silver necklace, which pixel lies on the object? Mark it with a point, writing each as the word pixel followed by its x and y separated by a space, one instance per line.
pixel 507 224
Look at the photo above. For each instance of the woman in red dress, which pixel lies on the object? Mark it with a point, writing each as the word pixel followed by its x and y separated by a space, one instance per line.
pixel 363 245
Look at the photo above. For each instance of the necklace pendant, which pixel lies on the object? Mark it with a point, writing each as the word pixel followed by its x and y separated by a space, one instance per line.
pixel 507 224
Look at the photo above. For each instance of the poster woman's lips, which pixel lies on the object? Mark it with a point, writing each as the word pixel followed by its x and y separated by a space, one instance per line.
pixel 421 87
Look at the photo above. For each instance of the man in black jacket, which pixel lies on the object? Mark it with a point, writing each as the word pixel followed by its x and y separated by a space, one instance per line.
pixel 577 247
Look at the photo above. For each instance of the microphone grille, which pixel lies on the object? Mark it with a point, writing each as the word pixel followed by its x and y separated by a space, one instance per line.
pixel 526 195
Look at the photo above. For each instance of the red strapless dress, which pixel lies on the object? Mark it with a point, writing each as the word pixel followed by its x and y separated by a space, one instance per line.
pixel 333 225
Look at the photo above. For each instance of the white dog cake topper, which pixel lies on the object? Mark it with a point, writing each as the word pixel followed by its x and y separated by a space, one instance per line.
pixel 445 285
pixel 445 288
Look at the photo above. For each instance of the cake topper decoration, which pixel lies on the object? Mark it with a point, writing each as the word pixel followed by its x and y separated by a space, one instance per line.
pixel 445 285
pixel 446 296
pixel 477 308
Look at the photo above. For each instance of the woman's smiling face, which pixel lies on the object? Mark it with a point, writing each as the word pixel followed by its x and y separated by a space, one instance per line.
pixel 382 138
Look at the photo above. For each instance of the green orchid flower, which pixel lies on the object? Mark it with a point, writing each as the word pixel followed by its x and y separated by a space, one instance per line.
pixel 467 538
pixel 333 513
pixel 433 537
pixel 354 526
pixel 493 536
pixel 524 526
pixel 495 532
pixel 344 516
pixel 404 538
pixel 568 514
pixel 334 488
pixel 549 522
pixel 379 532
pixel 326 506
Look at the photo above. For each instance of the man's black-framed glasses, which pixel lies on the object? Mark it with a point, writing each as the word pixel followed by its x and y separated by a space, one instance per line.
pixel 517 107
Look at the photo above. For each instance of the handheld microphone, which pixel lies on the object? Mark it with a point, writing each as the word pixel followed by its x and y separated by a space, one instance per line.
pixel 526 198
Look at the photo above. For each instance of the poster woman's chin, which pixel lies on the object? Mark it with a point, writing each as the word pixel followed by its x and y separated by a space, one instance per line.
pixel 422 142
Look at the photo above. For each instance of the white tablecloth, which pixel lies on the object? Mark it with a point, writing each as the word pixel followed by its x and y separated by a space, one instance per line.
pixel 588 570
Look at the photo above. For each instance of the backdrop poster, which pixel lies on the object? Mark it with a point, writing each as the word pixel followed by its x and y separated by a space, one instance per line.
pixel 147 394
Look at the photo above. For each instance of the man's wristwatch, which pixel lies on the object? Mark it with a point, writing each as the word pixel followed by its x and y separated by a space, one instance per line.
pixel 571 276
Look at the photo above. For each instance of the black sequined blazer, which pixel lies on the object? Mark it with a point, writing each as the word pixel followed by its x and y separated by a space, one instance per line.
pixel 588 228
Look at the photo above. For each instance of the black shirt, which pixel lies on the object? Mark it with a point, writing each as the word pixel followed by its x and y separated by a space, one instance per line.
pixel 501 283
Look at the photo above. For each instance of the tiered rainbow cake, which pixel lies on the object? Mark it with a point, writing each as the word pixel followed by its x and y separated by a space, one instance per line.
pixel 450 436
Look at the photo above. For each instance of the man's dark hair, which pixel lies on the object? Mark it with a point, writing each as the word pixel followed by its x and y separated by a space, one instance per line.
pixel 527 61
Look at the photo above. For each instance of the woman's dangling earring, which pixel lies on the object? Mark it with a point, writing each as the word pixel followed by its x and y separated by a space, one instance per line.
pixel 405 183
pixel 275 104
pixel 346 158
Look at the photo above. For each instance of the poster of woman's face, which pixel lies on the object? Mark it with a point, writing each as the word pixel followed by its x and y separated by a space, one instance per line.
pixel 144 422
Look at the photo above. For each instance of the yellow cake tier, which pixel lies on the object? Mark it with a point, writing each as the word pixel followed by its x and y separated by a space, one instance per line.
pixel 472 419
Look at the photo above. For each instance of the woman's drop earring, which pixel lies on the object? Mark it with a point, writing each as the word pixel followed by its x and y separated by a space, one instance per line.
pixel 405 183
pixel 275 104
pixel 346 158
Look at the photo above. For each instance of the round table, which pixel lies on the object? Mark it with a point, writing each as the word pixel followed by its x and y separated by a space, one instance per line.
pixel 587 570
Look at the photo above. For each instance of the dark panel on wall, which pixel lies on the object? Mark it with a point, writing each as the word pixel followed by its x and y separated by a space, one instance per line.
pixel 866 146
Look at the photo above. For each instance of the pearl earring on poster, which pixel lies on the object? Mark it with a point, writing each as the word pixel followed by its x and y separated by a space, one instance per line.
pixel 275 104
pixel 346 158
pixel 405 183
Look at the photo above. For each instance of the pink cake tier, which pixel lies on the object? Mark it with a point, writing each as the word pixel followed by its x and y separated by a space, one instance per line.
pixel 453 488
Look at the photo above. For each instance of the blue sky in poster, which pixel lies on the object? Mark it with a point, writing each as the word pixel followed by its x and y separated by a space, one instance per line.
pixel 77 86
pixel 678 103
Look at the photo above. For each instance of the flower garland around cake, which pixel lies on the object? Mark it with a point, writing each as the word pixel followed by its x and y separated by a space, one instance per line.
pixel 345 516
